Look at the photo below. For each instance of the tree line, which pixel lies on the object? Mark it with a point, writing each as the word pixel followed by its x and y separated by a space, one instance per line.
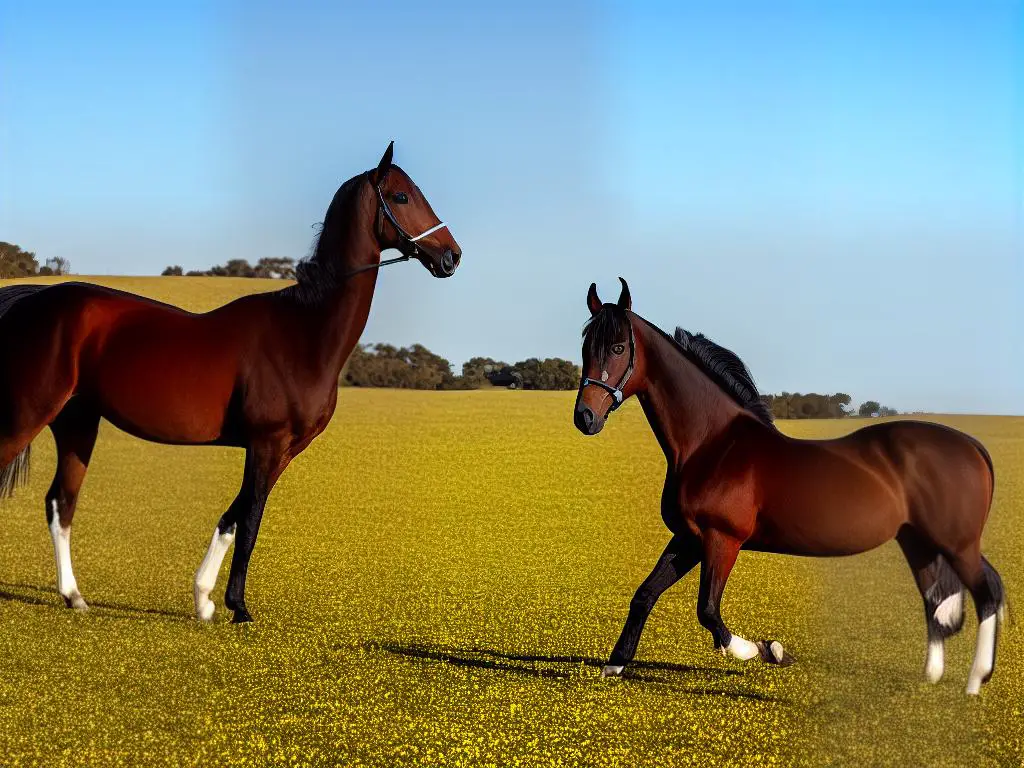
pixel 416 367
pixel 15 262
pixel 276 268
pixel 793 405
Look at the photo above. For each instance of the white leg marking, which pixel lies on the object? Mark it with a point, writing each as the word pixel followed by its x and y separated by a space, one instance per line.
pixel 933 666
pixel 949 610
pixel 610 670
pixel 206 576
pixel 66 584
pixel 742 649
pixel 984 655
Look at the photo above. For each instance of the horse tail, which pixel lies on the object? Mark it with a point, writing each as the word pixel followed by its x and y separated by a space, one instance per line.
pixel 15 473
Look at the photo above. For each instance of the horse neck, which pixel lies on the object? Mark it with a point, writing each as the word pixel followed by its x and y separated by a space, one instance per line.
pixel 683 406
pixel 347 243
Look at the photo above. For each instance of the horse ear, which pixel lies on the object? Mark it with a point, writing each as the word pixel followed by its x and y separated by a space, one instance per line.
pixel 625 302
pixel 385 162
pixel 593 303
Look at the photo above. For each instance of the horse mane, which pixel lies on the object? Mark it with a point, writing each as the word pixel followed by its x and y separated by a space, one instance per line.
pixel 719 364
pixel 725 368
pixel 319 273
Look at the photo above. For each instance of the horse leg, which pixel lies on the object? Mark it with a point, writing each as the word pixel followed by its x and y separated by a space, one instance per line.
pixel 941 591
pixel 679 557
pixel 74 432
pixel 223 536
pixel 265 463
pixel 719 556
pixel 987 592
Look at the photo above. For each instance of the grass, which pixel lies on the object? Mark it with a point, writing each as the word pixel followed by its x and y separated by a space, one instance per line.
pixel 438 578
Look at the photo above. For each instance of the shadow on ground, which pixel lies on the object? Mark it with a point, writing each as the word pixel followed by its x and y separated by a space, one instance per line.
pixel 31 594
pixel 680 676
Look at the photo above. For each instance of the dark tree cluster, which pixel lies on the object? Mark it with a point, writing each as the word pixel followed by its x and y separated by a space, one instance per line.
pixel 793 405
pixel 282 268
pixel 416 367
pixel 14 262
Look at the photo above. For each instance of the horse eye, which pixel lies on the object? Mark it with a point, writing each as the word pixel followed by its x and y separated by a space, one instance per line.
pixel 618 349
pixel 400 197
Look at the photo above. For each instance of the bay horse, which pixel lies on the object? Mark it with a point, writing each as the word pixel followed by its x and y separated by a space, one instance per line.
pixel 735 482
pixel 259 373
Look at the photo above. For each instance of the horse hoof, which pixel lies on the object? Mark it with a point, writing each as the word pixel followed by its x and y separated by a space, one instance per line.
pixel 242 616
pixel 205 610
pixel 611 670
pixel 772 652
pixel 75 601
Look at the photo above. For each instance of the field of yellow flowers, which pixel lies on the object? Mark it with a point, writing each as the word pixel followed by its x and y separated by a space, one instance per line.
pixel 448 599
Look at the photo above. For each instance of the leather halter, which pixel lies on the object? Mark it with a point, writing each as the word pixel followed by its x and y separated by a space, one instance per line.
pixel 446 262
pixel 616 391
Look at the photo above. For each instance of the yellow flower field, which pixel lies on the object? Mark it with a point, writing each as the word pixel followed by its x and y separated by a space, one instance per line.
pixel 448 598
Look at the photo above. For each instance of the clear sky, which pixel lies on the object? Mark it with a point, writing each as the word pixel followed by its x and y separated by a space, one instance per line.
pixel 833 190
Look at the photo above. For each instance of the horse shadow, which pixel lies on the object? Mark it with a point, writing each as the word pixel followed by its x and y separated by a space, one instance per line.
pixel 678 676
pixel 47 597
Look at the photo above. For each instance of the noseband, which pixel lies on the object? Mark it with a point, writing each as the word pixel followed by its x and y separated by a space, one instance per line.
pixel 616 391
pixel 447 264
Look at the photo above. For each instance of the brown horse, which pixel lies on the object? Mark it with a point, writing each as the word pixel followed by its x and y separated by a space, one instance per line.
pixel 735 482
pixel 260 373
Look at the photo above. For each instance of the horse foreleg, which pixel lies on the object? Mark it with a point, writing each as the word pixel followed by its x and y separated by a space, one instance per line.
pixel 679 557
pixel 719 556
pixel 74 432
pixel 264 465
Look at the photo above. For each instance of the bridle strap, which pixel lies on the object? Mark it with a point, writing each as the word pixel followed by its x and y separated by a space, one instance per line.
pixel 402 234
pixel 616 392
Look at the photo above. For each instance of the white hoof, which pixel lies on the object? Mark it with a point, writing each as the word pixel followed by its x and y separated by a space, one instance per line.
pixel 777 651
pixel 934 666
pixel 974 684
pixel 204 608
pixel 610 670
pixel 76 601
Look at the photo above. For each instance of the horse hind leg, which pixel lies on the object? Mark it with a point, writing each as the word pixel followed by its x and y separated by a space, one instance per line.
pixel 987 591
pixel 943 595
pixel 74 432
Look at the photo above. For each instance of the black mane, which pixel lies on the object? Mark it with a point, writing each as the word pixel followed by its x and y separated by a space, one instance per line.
pixel 320 272
pixel 720 365
pixel 726 369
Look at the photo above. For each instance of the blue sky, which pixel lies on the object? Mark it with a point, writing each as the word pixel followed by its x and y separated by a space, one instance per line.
pixel 833 190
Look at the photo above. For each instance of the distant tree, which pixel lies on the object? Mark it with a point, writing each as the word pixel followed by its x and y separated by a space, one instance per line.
pixel 551 373
pixel 870 408
pixel 475 370
pixel 383 365
pixel 887 411
pixel 279 268
pixel 57 265
pixel 14 262
pixel 174 271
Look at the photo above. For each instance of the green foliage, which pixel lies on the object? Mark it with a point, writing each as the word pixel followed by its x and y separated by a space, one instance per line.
pixel 15 262
pixel 873 408
pixel 793 405
pixel 275 268
pixel 550 373
pixel 383 365
pixel 416 367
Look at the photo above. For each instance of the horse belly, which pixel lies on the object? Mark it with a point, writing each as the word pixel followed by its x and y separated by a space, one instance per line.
pixel 167 392
pixel 833 527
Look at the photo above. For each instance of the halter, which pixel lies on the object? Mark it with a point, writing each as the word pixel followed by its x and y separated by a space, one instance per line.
pixel 447 264
pixel 616 392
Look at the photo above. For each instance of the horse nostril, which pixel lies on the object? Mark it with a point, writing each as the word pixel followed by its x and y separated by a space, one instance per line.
pixel 588 418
